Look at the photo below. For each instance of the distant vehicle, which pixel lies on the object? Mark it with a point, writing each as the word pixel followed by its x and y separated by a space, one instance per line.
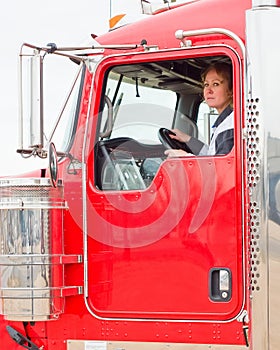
pixel 111 245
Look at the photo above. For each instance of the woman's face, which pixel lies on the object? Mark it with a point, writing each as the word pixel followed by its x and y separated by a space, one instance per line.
pixel 216 91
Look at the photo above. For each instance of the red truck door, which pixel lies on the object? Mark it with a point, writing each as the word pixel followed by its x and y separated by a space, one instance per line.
pixel 164 236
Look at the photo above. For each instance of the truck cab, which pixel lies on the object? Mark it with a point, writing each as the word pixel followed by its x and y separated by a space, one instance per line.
pixel 134 248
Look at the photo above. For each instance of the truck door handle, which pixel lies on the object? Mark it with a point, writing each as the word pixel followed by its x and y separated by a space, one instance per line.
pixel 220 284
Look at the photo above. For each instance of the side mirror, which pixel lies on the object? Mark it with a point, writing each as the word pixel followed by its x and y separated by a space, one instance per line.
pixel 31 112
pixel 53 164
pixel 109 124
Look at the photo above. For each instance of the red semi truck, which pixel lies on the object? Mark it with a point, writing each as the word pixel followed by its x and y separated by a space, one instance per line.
pixel 112 245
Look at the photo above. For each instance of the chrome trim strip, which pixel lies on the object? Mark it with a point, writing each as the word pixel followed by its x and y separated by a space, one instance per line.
pixel 119 345
pixel 181 34
pixel 261 3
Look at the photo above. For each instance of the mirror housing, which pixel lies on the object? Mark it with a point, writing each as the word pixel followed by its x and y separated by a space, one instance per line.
pixel 31 110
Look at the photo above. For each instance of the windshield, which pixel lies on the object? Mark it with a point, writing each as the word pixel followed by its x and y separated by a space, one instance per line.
pixel 64 127
pixel 59 128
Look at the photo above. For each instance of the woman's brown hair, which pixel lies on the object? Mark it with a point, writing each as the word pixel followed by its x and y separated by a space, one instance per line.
pixel 223 69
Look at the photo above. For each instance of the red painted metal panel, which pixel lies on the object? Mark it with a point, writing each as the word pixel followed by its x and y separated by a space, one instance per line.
pixel 152 259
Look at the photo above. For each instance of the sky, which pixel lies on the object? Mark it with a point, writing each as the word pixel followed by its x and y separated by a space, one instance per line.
pixel 37 22
pixel 63 22
pixel 40 22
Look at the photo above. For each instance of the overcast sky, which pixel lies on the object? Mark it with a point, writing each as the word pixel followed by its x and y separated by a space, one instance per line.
pixel 40 22
pixel 36 22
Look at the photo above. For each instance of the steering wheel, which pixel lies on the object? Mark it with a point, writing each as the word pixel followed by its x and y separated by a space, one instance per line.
pixel 168 142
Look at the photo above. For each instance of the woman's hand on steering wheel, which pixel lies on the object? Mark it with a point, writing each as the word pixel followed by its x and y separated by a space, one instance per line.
pixel 172 141
pixel 179 135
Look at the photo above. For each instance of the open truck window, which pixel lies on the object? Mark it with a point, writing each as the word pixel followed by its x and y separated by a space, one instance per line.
pixel 138 100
